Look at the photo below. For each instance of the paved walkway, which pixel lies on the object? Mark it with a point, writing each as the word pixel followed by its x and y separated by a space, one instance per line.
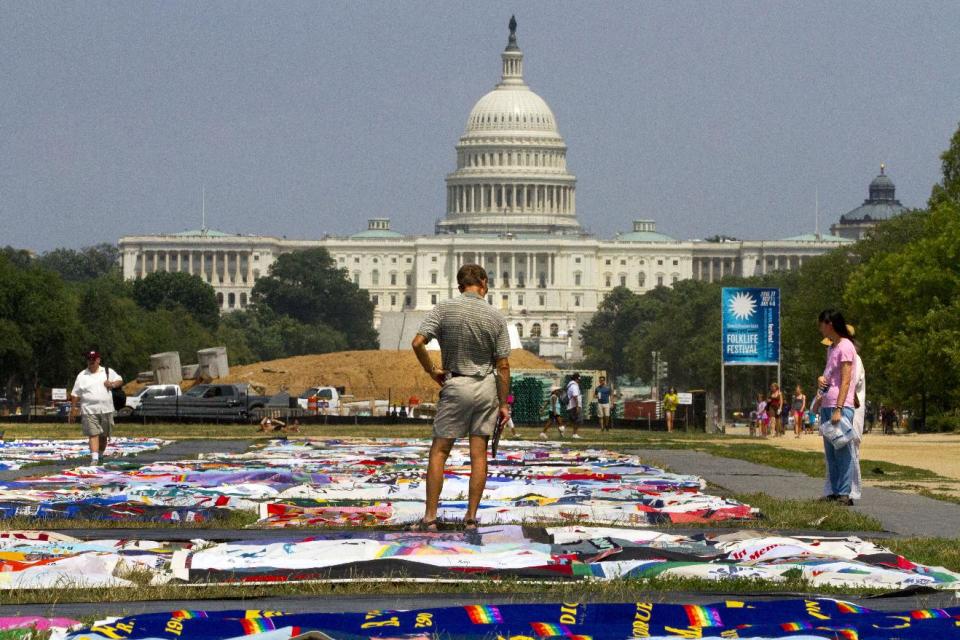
pixel 902 513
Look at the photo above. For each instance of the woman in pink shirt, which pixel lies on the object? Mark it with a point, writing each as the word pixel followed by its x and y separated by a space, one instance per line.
pixel 836 400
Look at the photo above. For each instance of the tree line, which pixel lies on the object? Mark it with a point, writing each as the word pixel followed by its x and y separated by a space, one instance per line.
pixel 56 306
pixel 899 287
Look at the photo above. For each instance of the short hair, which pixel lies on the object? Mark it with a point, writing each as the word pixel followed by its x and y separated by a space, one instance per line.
pixel 575 376
pixel 471 275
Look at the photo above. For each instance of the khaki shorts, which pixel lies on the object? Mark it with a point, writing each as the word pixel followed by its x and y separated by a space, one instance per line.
pixel 97 424
pixel 467 406
pixel 603 410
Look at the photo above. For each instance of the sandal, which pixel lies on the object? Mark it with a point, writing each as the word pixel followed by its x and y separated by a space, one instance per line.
pixel 470 524
pixel 424 526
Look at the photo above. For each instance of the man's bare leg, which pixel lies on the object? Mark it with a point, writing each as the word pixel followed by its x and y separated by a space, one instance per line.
pixel 102 444
pixel 478 474
pixel 439 451
pixel 94 444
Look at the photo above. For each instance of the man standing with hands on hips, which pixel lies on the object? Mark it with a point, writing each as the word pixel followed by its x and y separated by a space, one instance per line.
pixel 91 392
pixel 474 381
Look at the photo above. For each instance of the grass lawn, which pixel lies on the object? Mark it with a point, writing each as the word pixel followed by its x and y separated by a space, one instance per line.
pixel 625 590
pixel 936 552
pixel 805 514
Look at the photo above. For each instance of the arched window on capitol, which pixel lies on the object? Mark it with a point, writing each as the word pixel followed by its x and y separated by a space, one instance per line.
pixel 519 329
pixel 535 330
pixel 554 330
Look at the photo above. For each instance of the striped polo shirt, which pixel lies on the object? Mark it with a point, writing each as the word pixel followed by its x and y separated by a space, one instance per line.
pixel 471 333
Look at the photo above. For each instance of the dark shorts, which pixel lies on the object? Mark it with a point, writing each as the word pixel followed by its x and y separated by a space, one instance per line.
pixel 554 418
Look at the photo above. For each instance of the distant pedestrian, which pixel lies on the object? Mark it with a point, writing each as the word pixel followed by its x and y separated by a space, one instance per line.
pixel 574 404
pixel 670 403
pixel 474 343
pixel 552 405
pixel 762 414
pixel 775 409
pixel 602 393
pixel 92 395
pixel 799 408
pixel 836 403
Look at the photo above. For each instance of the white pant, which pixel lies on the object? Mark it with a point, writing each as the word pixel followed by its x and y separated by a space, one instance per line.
pixel 856 480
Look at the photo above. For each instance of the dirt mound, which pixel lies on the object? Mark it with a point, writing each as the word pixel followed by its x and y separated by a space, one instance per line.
pixel 365 374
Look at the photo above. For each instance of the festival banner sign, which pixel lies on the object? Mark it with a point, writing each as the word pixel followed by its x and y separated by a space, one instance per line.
pixel 751 326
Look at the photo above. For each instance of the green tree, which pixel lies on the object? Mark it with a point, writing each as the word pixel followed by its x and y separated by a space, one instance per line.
pixel 308 287
pixel 38 324
pixel 910 317
pixel 86 264
pixel 948 190
pixel 265 335
pixel 17 257
pixel 172 291
pixel 620 313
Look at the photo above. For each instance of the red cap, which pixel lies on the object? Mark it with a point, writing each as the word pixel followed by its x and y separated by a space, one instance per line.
pixel 92 355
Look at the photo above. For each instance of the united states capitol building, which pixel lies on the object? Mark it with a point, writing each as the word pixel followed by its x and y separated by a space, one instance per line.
pixel 511 206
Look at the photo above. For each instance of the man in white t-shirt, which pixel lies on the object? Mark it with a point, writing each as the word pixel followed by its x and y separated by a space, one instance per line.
pixel 91 393
pixel 575 404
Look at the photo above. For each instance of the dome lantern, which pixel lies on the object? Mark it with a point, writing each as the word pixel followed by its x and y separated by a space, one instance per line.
pixel 882 188
pixel 512 58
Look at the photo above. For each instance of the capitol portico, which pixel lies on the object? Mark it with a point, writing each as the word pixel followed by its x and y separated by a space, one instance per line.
pixel 511 206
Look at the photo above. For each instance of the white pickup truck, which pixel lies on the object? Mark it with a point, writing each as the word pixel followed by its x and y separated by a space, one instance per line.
pixel 149 391
pixel 327 399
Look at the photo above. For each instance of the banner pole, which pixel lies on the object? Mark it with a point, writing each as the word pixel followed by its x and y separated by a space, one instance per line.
pixel 780 354
pixel 723 397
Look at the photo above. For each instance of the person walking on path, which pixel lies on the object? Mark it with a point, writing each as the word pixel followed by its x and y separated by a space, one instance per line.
pixel 552 405
pixel 474 380
pixel 603 392
pixel 91 395
pixel 836 402
pixel 799 409
pixel 775 409
pixel 574 404
pixel 670 403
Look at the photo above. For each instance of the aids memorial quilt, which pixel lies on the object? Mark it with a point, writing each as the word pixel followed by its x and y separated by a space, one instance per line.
pixel 31 559
pixel 14 454
pixel 793 618
pixel 330 483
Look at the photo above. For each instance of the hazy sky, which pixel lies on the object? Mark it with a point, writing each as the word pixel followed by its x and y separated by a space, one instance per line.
pixel 304 119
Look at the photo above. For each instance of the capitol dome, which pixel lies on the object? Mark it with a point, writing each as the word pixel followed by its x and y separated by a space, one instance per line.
pixel 512 110
pixel 511 174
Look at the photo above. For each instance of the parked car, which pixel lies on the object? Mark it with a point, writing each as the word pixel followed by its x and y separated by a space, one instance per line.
pixel 150 391
pixel 213 401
